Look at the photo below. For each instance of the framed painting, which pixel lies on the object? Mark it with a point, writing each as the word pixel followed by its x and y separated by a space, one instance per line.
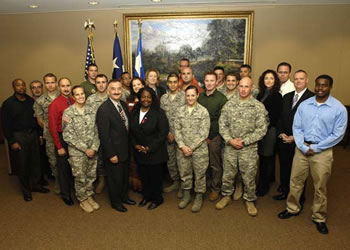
pixel 206 39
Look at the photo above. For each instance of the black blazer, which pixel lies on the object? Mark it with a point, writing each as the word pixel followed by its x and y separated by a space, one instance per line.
pixel 285 122
pixel 273 105
pixel 152 132
pixel 112 132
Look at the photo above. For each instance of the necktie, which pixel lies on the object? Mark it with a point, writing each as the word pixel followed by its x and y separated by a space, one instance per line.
pixel 295 100
pixel 122 115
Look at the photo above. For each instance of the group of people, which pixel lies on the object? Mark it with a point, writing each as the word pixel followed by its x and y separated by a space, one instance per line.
pixel 222 137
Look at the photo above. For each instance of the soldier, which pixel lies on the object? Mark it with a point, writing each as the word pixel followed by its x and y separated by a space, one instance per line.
pixel 230 88
pixel 94 102
pixel 170 102
pixel 213 101
pixel 220 82
pixel 192 126
pixel 80 133
pixel 125 79
pixel 89 85
pixel 242 124
pixel 41 109
pixel 245 70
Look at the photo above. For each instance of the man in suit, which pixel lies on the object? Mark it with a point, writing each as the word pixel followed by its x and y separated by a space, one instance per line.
pixel 113 125
pixel 286 144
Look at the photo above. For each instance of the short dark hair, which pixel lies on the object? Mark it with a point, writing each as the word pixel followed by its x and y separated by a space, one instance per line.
pixel 91 65
pixel 246 66
pixel 300 71
pixel 327 77
pixel 35 81
pixel 102 75
pixel 77 87
pixel 50 75
pixel 172 74
pixel 285 64
pixel 192 87
pixel 16 80
pixel 185 59
pixel 211 74
pixel 232 74
pixel 276 86
pixel 124 73
pixel 219 68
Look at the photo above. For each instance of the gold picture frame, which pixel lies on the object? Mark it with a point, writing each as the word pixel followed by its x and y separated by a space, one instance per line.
pixel 208 39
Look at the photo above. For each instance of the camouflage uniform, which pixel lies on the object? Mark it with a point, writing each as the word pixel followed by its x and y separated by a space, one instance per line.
pixel 246 120
pixel 192 130
pixel 224 91
pixel 125 94
pixel 41 109
pixel 80 133
pixel 170 107
pixel 94 102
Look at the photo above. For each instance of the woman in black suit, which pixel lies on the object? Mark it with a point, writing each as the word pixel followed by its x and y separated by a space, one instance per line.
pixel 269 86
pixel 149 132
pixel 152 80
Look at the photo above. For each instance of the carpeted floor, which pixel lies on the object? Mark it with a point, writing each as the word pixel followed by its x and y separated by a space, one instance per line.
pixel 46 223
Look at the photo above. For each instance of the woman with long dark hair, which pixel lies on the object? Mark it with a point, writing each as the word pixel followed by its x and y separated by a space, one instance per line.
pixel 269 86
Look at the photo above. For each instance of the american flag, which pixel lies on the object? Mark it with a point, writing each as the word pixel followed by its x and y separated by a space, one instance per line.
pixel 90 57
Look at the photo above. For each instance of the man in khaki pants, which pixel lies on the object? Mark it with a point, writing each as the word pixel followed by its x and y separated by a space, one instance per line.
pixel 319 124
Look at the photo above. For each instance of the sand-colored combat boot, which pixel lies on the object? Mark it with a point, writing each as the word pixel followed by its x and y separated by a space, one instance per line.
pixel 252 211
pixel 173 187
pixel 223 202
pixel 93 203
pixel 186 199
pixel 198 202
pixel 85 205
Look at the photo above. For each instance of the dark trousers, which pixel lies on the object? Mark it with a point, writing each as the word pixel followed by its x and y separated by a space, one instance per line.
pixel 44 161
pixel 151 177
pixel 64 171
pixel 286 154
pixel 266 170
pixel 29 170
pixel 117 181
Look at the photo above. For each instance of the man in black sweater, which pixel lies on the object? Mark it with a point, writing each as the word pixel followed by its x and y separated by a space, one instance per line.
pixel 20 130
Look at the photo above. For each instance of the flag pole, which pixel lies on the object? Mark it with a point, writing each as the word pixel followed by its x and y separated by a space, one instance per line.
pixel 90 25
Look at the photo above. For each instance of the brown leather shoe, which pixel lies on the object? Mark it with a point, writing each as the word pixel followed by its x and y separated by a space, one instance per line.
pixel 213 196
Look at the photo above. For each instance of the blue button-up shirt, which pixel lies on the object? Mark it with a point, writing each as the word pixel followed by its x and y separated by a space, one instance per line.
pixel 322 124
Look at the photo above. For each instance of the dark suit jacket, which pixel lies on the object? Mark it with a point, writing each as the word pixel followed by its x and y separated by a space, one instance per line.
pixel 152 132
pixel 285 122
pixel 273 105
pixel 112 132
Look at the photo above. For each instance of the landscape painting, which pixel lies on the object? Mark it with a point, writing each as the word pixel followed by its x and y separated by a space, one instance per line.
pixel 206 39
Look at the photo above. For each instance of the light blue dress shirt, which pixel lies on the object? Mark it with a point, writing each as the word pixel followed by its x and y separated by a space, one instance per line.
pixel 322 124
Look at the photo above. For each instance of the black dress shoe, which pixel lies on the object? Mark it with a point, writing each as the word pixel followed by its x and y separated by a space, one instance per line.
pixel 286 215
pixel 153 205
pixel 27 197
pixel 143 203
pixel 68 201
pixel 321 227
pixel 120 208
pixel 262 192
pixel 44 182
pixel 129 202
pixel 41 190
pixel 280 197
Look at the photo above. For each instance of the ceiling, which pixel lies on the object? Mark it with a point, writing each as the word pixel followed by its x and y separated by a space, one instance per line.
pixel 21 6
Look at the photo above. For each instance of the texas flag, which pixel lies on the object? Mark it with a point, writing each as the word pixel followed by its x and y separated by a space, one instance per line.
pixel 138 60
pixel 118 66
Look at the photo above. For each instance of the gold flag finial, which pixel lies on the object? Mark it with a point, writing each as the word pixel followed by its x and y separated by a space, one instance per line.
pixel 115 24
